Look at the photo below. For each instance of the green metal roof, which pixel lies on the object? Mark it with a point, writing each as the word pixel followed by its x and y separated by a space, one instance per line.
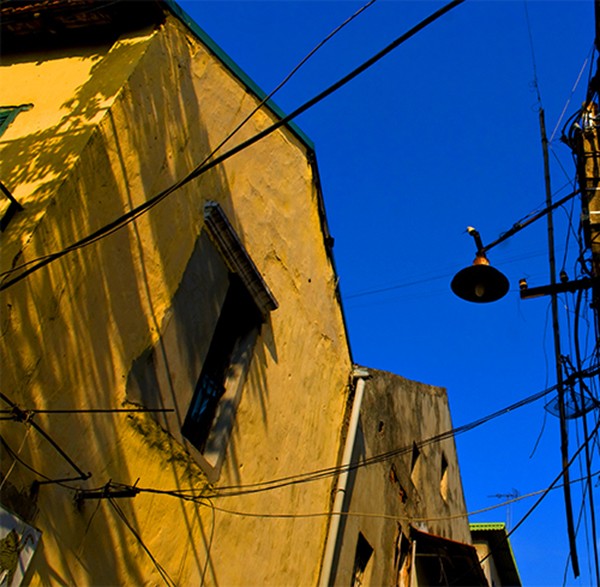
pixel 234 67
pixel 487 526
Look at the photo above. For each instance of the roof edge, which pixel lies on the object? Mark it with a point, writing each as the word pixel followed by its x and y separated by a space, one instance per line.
pixel 487 526
pixel 214 47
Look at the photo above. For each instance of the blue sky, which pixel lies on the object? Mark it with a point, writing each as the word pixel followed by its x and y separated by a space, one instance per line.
pixel 443 134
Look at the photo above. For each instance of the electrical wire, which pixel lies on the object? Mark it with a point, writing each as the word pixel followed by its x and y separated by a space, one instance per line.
pixel 412 519
pixel 88 411
pixel 14 455
pixel 237 490
pixel 580 518
pixel 27 418
pixel 539 438
pixel 543 495
pixel 573 89
pixel 300 478
pixel 17 458
pixel 35 264
pixel 570 231
pixel 327 472
pixel 210 540
pixel 430 277
pixel 161 570
pixel 207 501
pixel 588 459
pixel 535 83
pixel 287 78
pixel 46 478
pixel 88 526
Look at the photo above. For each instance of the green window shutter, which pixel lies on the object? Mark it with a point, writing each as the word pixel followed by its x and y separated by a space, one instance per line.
pixel 9 113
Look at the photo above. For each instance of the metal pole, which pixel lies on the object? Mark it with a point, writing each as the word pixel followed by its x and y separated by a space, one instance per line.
pixel 564 440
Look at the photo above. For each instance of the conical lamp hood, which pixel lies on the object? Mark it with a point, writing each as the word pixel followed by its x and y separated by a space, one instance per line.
pixel 480 283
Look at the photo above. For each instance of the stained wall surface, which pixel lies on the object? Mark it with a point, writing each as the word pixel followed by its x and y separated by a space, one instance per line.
pixel 403 478
pixel 111 126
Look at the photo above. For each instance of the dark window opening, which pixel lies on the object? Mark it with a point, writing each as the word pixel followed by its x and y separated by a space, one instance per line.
pixel 444 477
pixel 239 317
pixel 364 551
pixel 415 464
pixel 415 457
pixel 401 558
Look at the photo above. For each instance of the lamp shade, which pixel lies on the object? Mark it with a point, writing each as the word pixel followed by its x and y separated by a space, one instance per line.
pixel 480 283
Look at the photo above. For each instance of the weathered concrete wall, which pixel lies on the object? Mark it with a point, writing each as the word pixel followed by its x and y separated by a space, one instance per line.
pixel 396 492
pixel 111 127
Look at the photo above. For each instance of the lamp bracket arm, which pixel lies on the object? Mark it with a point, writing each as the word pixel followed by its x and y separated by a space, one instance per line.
pixel 521 225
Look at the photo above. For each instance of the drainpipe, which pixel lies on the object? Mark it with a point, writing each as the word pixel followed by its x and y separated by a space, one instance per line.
pixel 333 537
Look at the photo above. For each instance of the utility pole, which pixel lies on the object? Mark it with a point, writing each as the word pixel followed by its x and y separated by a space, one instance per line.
pixel 564 437
pixel 586 147
pixel 587 152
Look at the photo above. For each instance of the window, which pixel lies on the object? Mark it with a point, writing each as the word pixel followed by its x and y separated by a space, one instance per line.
pixel 8 204
pixel 444 477
pixel 402 560
pixel 231 342
pixel 207 339
pixel 362 558
pixel 209 419
pixel 415 464
pixel 9 113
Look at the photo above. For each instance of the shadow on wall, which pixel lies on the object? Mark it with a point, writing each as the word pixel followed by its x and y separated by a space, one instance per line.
pixel 47 157
pixel 76 326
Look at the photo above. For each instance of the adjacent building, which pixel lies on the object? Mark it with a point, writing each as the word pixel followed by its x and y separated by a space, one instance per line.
pixel 495 553
pixel 407 522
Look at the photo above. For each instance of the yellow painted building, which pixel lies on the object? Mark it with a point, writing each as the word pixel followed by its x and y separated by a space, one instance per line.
pixel 108 110
pixel 177 389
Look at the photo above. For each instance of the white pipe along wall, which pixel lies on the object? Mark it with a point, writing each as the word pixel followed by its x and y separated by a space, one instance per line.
pixel 333 536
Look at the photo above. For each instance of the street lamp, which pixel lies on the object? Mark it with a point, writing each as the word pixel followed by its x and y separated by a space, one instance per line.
pixel 480 282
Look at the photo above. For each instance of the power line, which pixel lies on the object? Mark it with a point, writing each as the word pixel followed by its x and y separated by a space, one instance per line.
pixel 287 79
pixel 210 540
pixel 535 83
pixel 208 501
pixel 429 277
pixel 124 219
pixel 23 413
pixel 562 114
pixel 416 519
pixel 545 492
pixel 17 458
pixel 263 102
pixel 588 459
pixel 326 472
pixel 300 478
pixel 161 570
pixel 29 419
pixel 556 480
pixel 237 490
